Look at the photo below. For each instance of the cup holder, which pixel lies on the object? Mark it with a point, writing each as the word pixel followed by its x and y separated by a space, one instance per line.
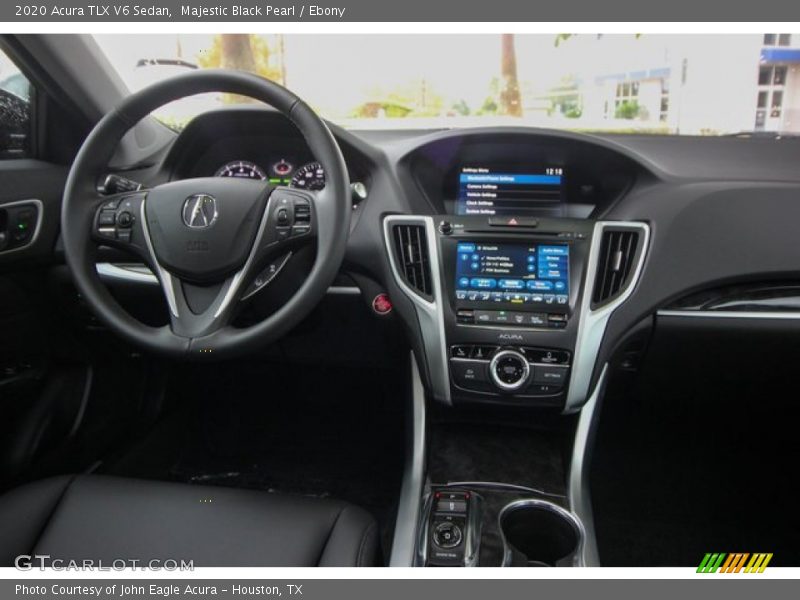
pixel 540 534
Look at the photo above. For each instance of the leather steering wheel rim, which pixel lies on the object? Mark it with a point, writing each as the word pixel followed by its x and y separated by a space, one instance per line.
pixel 82 199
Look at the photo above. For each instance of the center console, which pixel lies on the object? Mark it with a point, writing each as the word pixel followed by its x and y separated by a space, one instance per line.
pixel 507 293
pixel 511 292
pixel 511 312
pixel 512 309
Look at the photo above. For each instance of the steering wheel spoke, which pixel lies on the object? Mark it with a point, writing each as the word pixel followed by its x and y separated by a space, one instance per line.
pixel 290 223
pixel 199 310
pixel 290 219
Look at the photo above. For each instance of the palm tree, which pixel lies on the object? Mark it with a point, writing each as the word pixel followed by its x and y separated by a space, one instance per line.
pixel 236 52
pixel 242 52
pixel 510 99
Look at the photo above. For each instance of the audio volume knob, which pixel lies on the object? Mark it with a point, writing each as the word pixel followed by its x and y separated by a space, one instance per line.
pixel 509 370
pixel 445 228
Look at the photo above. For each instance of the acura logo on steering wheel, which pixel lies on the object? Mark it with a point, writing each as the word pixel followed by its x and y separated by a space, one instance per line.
pixel 200 211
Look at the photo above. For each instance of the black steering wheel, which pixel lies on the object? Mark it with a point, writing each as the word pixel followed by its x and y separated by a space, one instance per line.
pixel 207 238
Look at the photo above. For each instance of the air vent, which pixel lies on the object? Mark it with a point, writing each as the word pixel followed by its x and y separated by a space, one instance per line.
pixel 411 246
pixel 615 265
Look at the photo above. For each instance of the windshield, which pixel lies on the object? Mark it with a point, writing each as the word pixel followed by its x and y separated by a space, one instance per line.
pixel 648 83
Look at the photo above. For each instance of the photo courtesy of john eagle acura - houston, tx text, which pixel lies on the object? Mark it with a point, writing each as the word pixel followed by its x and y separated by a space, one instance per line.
pixel 409 300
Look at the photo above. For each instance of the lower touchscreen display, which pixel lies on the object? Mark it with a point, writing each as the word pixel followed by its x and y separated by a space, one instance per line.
pixel 512 273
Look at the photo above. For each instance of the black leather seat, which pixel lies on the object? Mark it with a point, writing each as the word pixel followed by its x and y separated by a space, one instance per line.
pixel 109 518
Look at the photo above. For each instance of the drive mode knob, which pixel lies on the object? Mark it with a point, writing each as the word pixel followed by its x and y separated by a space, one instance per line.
pixel 509 370
pixel 447 535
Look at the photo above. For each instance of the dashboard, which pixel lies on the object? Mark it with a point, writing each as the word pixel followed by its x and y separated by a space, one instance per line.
pixel 519 259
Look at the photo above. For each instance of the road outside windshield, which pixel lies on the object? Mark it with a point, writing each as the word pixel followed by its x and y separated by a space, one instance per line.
pixel 648 83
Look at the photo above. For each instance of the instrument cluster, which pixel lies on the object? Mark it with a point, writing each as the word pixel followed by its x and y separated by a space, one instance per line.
pixel 280 171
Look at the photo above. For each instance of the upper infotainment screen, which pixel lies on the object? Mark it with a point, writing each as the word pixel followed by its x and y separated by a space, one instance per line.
pixel 507 192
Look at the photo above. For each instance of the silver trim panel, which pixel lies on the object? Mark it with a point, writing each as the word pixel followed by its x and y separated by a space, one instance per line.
pixel 729 314
pixel 408 510
pixel 429 313
pixel 578 482
pixel 126 274
pixel 239 276
pixel 344 290
pixel 592 324
pixel 36 229
pixel 140 273
pixel 164 277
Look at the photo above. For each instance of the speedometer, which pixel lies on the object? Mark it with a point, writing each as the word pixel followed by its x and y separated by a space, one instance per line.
pixel 242 169
pixel 309 177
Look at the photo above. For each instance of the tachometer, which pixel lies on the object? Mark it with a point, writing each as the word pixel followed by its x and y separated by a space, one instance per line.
pixel 243 169
pixel 309 177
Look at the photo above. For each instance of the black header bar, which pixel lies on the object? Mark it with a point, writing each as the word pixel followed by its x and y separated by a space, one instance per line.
pixel 259 11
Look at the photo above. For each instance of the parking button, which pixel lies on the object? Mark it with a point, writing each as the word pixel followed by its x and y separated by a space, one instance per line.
pixel 469 374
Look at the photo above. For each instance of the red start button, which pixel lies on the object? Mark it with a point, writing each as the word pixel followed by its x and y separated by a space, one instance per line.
pixel 381 304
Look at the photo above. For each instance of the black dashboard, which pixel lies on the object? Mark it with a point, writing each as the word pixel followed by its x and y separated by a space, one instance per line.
pixel 551 245
pixel 519 258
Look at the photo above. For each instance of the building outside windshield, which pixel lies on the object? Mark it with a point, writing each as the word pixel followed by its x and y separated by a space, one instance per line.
pixel 648 83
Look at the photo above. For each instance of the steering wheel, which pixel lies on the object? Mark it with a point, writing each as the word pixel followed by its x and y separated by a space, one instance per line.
pixel 206 239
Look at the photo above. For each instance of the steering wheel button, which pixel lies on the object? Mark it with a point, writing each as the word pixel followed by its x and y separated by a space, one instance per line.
pixel 283 216
pixel 106 218
pixel 300 229
pixel 125 219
